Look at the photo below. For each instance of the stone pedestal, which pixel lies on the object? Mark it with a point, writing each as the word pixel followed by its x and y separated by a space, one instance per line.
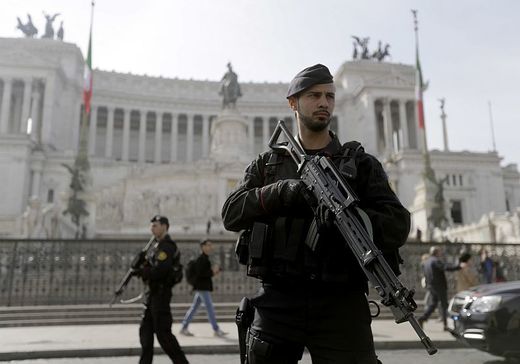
pixel 422 207
pixel 229 141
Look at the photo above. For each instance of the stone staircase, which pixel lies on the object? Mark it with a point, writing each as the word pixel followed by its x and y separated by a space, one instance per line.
pixel 99 314
pixel 117 314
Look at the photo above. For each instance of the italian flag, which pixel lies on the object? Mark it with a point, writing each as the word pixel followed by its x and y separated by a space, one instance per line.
pixel 87 74
pixel 419 89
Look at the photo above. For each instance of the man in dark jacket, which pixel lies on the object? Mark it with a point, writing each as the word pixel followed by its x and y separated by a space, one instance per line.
pixel 436 285
pixel 314 298
pixel 158 275
pixel 203 287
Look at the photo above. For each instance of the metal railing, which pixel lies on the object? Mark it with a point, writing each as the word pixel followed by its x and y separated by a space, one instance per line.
pixel 64 272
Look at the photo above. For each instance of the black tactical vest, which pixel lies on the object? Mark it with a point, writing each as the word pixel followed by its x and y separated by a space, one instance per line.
pixel 277 250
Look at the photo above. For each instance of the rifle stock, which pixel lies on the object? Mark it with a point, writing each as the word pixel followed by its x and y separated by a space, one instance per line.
pixel 325 182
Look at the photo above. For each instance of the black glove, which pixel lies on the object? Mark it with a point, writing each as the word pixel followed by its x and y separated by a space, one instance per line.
pixel 284 197
pixel 291 193
pixel 324 219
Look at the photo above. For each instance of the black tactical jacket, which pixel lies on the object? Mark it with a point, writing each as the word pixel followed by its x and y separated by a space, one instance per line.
pixel 160 260
pixel 203 282
pixel 256 200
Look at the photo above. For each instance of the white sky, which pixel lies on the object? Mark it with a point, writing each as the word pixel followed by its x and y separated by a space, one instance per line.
pixel 470 49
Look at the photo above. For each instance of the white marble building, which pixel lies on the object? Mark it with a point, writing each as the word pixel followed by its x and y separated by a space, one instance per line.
pixel 160 145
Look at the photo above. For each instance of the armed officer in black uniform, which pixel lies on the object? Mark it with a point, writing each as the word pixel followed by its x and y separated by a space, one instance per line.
pixel 311 298
pixel 158 273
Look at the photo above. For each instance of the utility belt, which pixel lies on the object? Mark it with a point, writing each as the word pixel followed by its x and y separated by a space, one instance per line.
pixel 159 287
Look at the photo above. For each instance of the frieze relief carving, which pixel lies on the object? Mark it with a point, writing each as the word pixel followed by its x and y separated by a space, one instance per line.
pixel 109 209
pixel 134 208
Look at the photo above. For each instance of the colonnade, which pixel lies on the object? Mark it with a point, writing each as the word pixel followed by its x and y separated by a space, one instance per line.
pixel 21 106
pixel 160 136
pixel 395 125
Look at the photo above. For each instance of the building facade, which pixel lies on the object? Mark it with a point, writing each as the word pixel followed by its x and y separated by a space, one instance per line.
pixel 155 144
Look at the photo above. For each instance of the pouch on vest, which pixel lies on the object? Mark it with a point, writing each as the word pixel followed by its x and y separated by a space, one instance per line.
pixel 259 256
pixel 242 247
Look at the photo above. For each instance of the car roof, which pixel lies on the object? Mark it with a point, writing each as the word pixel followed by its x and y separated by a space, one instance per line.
pixel 496 288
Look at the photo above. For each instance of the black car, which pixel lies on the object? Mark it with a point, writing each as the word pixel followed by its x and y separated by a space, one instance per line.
pixel 487 317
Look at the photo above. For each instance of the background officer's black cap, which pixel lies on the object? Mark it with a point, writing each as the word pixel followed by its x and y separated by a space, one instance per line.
pixel 160 219
pixel 308 77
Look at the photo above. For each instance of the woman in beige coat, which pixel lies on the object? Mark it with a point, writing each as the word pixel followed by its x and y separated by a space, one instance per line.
pixel 467 276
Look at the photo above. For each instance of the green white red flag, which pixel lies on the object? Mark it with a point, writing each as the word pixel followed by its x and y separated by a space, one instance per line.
pixel 87 74
pixel 419 90
pixel 419 85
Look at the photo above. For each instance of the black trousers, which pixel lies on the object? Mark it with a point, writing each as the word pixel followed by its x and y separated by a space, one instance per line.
pixel 436 296
pixel 157 318
pixel 333 325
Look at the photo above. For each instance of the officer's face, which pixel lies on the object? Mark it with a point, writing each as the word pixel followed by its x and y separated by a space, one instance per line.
pixel 314 106
pixel 158 230
pixel 207 248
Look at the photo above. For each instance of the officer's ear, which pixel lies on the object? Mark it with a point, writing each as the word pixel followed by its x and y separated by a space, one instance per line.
pixel 293 103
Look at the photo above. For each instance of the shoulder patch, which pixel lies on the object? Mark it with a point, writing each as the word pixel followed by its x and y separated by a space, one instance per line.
pixel 162 255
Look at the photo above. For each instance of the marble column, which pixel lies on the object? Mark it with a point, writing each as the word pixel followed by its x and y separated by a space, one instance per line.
pixel 387 121
pixel 189 138
pixel 35 115
pixel 49 99
pixel 142 136
pixel 37 169
pixel 109 141
pixel 251 133
pixel 92 130
pixel 158 137
pixel 205 136
pixel 27 91
pixel 126 135
pixel 6 105
pixel 174 136
pixel 265 131
pixel 16 108
pixel 405 142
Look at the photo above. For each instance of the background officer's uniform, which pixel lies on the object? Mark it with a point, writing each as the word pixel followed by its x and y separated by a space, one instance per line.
pixel 314 299
pixel 157 274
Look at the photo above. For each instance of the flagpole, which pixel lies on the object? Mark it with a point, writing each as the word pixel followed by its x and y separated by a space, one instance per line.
pixel 435 214
pixel 83 142
pixel 419 84
pixel 492 127
pixel 79 202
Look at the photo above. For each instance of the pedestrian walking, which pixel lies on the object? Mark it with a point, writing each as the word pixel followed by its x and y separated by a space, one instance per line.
pixel 436 285
pixel 162 263
pixel 202 287
pixel 487 267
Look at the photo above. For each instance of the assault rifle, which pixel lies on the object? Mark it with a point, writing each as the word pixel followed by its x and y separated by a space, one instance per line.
pixel 137 262
pixel 332 192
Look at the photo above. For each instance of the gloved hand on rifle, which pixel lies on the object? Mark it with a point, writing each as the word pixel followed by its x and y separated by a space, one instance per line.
pixel 285 197
pixel 143 272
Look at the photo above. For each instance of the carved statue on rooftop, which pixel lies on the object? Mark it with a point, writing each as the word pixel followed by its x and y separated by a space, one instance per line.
pixel 59 35
pixel 229 88
pixel 380 54
pixel 49 30
pixel 363 44
pixel 28 29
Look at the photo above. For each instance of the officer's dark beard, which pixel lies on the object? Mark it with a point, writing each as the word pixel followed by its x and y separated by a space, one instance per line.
pixel 311 124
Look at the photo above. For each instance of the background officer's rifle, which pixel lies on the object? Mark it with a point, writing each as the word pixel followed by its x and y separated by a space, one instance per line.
pixel 137 262
pixel 323 180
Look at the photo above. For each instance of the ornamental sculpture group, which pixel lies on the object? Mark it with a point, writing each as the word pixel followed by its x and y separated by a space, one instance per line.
pixel 30 31
pixel 363 53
